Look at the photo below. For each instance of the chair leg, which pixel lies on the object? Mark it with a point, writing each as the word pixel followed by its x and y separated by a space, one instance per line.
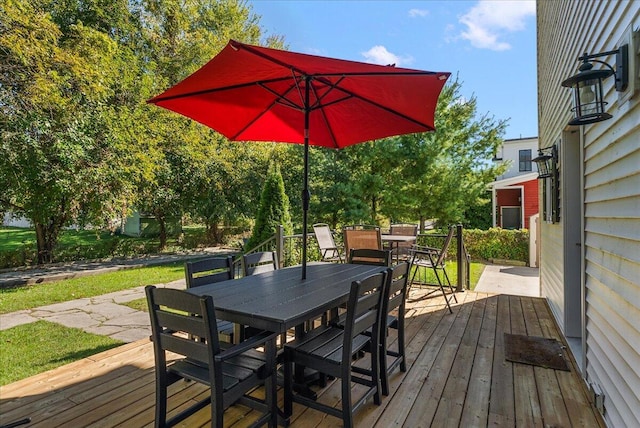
pixel 401 352
pixel 270 387
pixel 453 291
pixel 347 407
pixel 288 388
pixel 382 354
pixel 161 400
pixel 444 294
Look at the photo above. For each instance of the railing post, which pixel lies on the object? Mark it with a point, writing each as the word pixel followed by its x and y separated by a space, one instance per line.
pixel 280 245
pixel 460 257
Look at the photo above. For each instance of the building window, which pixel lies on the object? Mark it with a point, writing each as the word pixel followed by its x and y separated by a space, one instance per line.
pixel 525 160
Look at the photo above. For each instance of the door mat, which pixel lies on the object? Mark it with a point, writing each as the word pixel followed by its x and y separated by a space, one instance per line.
pixel 536 351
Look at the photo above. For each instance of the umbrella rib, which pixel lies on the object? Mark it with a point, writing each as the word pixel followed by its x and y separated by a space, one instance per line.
pixel 212 90
pixel 280 98
pixel 324 116
pixel 355 95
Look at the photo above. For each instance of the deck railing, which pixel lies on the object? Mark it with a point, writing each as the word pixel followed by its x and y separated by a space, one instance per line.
pixel 289 251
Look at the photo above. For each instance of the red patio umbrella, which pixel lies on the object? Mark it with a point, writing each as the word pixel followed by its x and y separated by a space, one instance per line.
pixel 252 93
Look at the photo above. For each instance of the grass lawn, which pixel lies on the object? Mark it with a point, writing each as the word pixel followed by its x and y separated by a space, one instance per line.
pixel 33 348
pixel 15 299
pixel 452 271
pixel 13 238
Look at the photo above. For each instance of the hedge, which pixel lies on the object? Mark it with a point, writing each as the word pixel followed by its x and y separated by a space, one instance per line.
pixel 495 243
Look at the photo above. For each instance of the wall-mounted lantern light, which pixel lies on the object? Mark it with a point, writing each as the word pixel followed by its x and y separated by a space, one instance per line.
pixel 588 105
pixel 546 161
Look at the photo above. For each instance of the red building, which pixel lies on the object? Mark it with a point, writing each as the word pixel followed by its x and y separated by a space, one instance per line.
pixel 515 193
pixel 515 201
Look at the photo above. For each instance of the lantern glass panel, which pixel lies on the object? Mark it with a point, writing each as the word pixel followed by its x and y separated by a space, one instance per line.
pixel 588 98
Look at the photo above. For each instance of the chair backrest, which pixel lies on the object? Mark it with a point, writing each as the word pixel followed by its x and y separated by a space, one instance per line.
pixel 175 312
pixel 208 271
pixel 404 229
pixel 362 238
pixel 445 246
pixel 324 236
pixel 255 263
pixel 396 293
pixel 367 256
pixel 364 309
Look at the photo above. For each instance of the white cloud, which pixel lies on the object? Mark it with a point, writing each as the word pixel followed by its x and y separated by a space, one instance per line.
pixel 418 13
pixel 488 21
pixel 380 55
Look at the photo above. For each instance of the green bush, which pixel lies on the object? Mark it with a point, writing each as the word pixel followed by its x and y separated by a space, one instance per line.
pixel 497 243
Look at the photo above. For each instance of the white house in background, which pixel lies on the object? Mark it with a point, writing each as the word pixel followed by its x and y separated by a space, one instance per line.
pixel 590 244
pixel 514 194
pixel 10 221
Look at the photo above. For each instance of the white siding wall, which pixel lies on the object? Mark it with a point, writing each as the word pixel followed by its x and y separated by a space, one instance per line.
pixel 511 152
pixel 611 153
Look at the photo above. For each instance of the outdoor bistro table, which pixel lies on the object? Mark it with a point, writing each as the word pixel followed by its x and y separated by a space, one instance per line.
pixel 395 240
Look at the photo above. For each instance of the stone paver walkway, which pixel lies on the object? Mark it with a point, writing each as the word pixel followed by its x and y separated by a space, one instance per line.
pixel 104 315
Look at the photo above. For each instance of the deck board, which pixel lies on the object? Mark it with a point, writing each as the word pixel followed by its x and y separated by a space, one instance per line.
pixel 457 376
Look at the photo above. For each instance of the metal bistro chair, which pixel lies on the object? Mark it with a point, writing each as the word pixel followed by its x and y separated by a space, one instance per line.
pixel 404 248
pixel 208 271
pixel 255 263
pixel 231 373
pixel 329 251
pixel 331 350
pixel 435 259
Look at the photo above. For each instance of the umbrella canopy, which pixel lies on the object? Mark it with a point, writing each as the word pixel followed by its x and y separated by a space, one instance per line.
pixel 252 93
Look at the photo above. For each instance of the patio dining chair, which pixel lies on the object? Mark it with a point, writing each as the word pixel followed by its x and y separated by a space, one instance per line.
pixel 329 251
pixel 331 350
pixel 362 238
pixel 435 259
pixel 231 373
pixel 255 263
pixel 209 271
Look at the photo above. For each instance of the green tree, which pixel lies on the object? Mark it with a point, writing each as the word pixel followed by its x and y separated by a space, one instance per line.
pixel 61 91
pixel 440 174
pixel 192 163
pixel 273 210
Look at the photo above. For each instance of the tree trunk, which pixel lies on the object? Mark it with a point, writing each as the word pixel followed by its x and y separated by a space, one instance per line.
pixel 214 232
pixel 46 238
pixel 163 232
pixel 374 209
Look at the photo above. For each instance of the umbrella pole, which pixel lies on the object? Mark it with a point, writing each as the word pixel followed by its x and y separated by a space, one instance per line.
pixel 305 190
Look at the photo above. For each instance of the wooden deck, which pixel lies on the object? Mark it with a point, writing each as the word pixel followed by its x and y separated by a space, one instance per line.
pixel 457 376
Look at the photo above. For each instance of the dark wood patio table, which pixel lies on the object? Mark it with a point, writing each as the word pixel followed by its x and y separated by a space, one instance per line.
pixel 279 300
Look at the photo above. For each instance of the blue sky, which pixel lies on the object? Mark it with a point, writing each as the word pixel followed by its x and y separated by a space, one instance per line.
pixel 490 45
